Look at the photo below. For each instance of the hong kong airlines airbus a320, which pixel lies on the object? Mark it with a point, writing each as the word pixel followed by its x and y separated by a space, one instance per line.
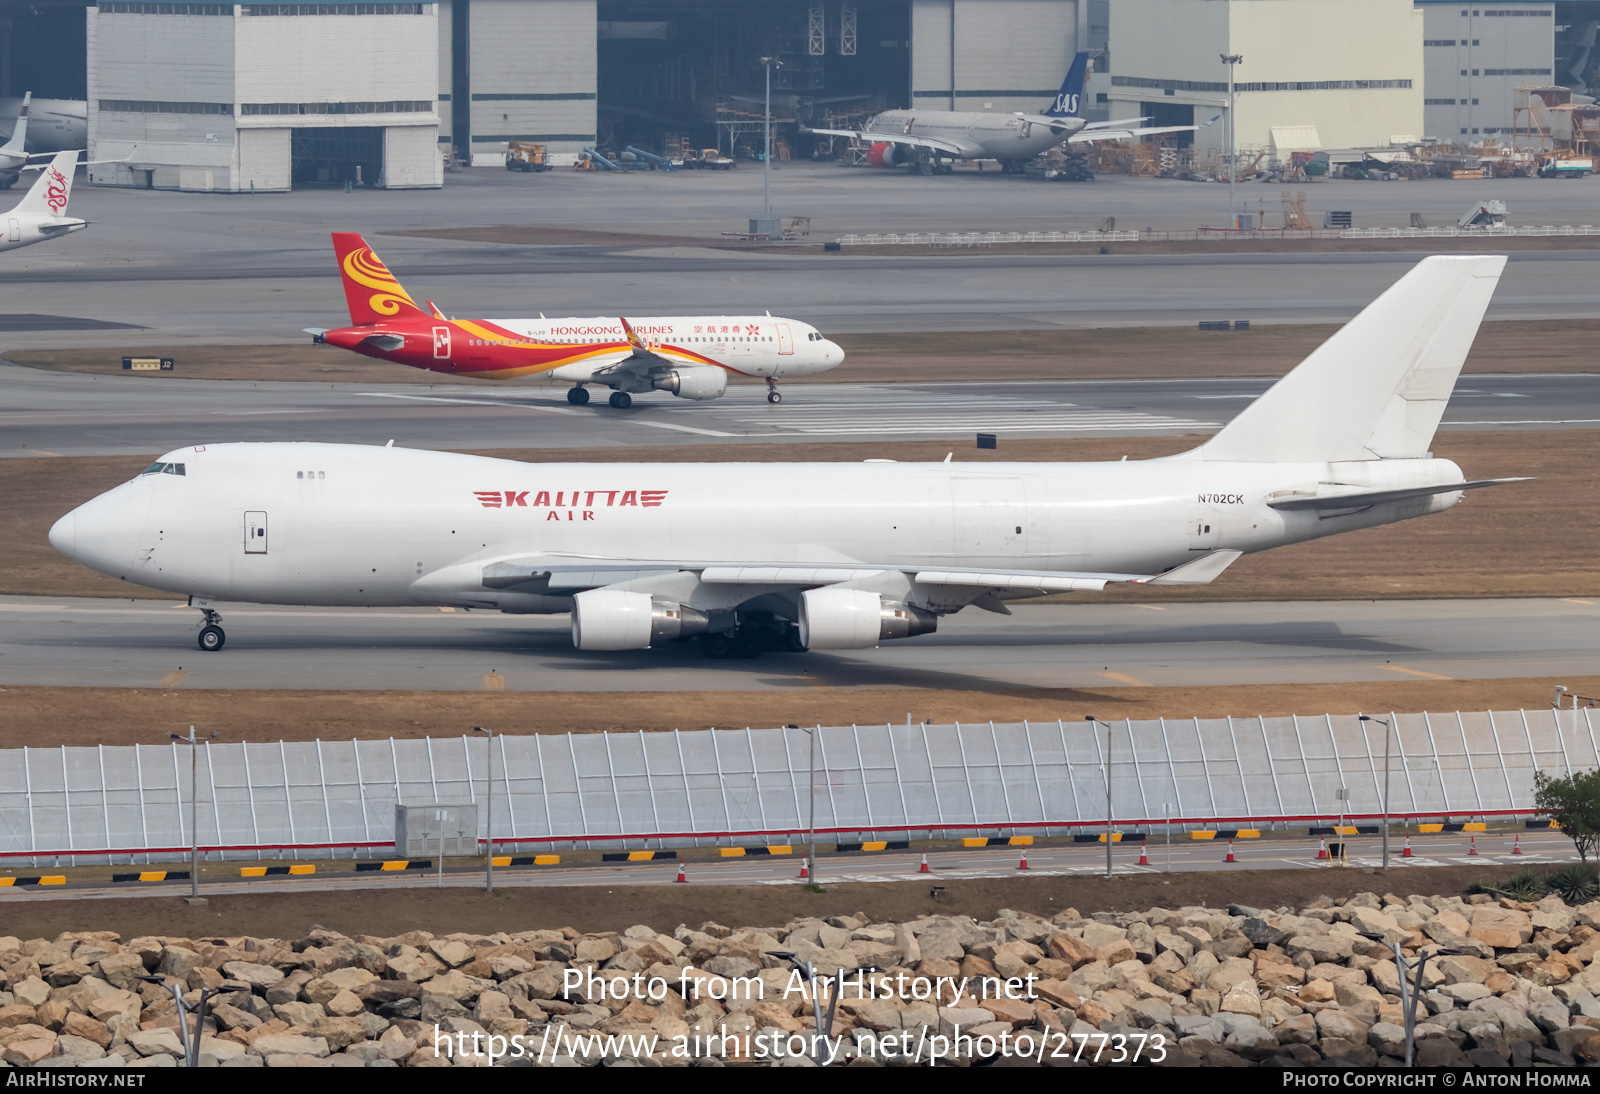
pixel 690 356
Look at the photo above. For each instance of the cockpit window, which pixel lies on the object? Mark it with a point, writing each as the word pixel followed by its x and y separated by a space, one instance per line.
pixel 159 468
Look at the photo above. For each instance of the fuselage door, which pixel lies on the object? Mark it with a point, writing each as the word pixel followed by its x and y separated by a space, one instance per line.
pixel 987 517
pixel 1204 530
pixel 16 230
pixel 255 533
pixel 909 123
pixel 441 343
pixel 785 338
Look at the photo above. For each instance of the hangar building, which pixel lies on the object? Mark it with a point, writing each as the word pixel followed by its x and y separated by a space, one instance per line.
pixel 227 97
pixel 1352 70
pixel 252 97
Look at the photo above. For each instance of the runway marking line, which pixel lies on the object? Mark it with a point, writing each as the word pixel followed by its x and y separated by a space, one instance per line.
pixel 1574 600
pixel 493 681
pixel 1125 679
pixel 447 609
pixel 171 679
pixel 1151 607
pixel 1417 672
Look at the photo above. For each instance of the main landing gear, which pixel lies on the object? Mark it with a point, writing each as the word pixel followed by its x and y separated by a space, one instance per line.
pixel 757 633
pixel 772 391
pixel 621 400
pixel 211 635
pixel 578 396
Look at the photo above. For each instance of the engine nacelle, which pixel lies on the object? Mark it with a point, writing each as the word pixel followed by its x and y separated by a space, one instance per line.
pixel 615 619
pixel 697 382
pixel 850 619
pixel 888 154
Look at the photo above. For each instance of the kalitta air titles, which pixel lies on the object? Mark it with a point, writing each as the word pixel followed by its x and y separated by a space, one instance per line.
pixel 586 501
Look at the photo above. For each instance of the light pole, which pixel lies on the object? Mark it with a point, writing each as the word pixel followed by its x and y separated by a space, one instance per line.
pixel 194 744
pixel 1231 59
pixel 1092 720
pixel 812 834
pixel 766 225
pixel 1387 732
pixel 488 804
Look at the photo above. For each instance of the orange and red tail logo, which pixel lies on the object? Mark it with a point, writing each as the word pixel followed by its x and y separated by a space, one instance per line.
pixel 370 289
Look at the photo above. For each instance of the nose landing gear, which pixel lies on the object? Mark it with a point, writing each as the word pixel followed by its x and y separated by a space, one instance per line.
pixel 211 634
pixel 772 391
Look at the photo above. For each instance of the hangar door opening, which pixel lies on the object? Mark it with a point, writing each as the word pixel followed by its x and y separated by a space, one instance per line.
pixel 1163 114
pixel 676 75
pixel 335 155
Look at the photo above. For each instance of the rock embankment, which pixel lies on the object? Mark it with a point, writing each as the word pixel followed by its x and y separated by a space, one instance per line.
pixel 1175 987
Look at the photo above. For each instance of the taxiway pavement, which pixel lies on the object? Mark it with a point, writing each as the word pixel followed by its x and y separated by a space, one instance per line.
pixel 74 414
pixel 121 643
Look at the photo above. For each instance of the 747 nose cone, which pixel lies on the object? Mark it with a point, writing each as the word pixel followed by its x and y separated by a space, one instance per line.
pixel 64 535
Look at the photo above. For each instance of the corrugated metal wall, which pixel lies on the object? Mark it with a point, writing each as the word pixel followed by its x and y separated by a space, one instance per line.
pixel 533 73
pixel 716 786
pixel 1009 55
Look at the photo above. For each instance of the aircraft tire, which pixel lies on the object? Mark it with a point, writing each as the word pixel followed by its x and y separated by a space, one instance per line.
pixel 211 638
pixel 774 397
pixel 621 400
pixel 747 646
pixel 578 396
pixel 718 647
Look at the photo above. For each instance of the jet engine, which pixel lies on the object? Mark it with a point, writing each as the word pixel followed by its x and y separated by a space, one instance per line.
pixel 697 382
pixel 615 619
pixel 888 154
pixel 850 619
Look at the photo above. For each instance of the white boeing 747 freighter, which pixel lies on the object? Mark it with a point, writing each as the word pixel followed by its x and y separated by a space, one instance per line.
pixel 806 555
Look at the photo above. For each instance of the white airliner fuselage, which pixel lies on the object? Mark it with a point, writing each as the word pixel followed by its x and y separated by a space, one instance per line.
pixel 328 524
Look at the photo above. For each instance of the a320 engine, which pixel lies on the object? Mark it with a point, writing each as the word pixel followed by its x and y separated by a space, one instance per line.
pixel 888 154
pixel 850 619
pixel 614 619
pixel 698 382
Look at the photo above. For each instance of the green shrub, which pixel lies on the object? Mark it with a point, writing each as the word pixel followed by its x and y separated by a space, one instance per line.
pixel 1577 884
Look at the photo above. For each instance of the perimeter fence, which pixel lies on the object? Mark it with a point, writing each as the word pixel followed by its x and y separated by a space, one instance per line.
pixel 326 799
pixel 1189 235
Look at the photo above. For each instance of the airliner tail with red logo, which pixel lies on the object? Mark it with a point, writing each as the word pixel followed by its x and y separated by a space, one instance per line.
pixel 690 357
pixel 41 214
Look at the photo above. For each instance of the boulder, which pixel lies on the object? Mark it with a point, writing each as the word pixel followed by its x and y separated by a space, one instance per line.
pixel 153 1042
pixel 289 1044
pixel 1502 928
pixel 259 977
pixel 1343 1025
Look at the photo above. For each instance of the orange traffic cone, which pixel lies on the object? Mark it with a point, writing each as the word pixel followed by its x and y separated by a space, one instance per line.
pixel 805 866
pixel 681 876
pixel 1230 850
pixel 1472 846
pixel 1516 844
pixel 1144 857
pixel 1322 849
pixel 1023 865
pixel 1407 852
pixel 923 869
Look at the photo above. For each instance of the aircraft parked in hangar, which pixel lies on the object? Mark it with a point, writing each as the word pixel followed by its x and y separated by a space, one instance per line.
pixel 40 214
pixel 827 556
pixel 54 125
pixel 923 140
pixel 690 356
